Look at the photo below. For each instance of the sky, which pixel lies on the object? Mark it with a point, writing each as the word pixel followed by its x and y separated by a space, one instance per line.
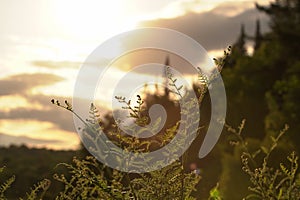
pixel 44 42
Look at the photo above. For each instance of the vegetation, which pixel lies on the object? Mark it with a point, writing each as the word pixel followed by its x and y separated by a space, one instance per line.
pixel 252 161
pixel 24 167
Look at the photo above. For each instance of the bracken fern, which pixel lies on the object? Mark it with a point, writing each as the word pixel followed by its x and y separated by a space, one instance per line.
pixel 88 180
pixel 267 182
pixel 6 185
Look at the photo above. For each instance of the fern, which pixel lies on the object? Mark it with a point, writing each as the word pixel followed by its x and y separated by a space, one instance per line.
pixel 6 185
pixel 281 183
pixel 165 183
pixel 87 177
pixel 38 191
pixel 88 180
pixel 214 193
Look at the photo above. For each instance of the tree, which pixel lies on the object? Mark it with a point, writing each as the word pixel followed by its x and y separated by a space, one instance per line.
pixel 283 97
pixel 285 25
pixel 239 46
pixel 258 36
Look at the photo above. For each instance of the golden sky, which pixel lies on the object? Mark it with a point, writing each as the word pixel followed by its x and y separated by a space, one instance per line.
pixel 43 44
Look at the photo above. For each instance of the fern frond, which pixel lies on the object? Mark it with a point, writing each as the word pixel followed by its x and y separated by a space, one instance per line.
pixel 6 185
pixel 38 191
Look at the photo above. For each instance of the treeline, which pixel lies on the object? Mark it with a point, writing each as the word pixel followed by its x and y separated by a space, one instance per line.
pixel 30 166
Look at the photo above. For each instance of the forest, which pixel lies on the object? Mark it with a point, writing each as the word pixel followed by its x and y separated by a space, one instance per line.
pixel 256 156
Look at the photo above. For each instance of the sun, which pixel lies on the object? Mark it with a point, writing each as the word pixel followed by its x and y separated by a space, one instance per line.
pixel 93 18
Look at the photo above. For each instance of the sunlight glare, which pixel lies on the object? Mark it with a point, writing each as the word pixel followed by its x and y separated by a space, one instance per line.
pixel 92 18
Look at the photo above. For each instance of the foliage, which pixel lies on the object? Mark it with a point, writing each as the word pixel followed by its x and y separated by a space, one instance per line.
pixel 171 182
pixel 266 182
pixel 41 167
pixel 38 191
pixel 214 193
pixel 4 186
pixel 88 181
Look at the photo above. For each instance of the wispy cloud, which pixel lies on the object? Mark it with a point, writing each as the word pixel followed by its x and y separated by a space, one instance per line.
pixel 56 64
pixel 44 112
pixel 28 131
pixel 21 83
pixel 212 29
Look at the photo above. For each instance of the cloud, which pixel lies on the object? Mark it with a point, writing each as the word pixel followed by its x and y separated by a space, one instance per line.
pixel 39 131
pixel 10 102
pixel 61 118
pixel 152 57
pixel 17 103
pixel 232 9
pixel 225 7
pixel 6 140
pixel 213 30
pixel 21 83
pixel 47 112
pixel 18 106
pixel 56 64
